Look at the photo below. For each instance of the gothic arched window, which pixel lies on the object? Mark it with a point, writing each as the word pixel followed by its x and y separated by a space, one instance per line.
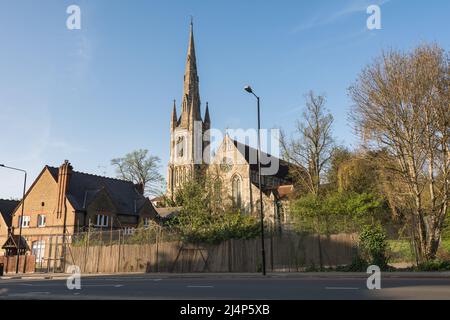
pixel 237 190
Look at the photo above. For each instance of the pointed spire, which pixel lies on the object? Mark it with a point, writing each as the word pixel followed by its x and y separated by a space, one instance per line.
pixel 191 96
pixel 174 120
pixel 191 63
pixel 207 119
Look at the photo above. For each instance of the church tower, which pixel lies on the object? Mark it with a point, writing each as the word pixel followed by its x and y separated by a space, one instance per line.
pixel 187 143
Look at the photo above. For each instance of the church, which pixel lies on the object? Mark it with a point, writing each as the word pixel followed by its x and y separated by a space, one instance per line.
pixel 191 156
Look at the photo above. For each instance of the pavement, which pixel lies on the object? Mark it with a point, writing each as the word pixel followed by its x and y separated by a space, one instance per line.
pixel 415 275
pixel 276 286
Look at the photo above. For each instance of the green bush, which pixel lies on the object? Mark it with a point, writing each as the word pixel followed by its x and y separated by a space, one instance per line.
pixel 373 246
pixel 215 228
pixel 434 265
pixel 336 212
pixel 358 265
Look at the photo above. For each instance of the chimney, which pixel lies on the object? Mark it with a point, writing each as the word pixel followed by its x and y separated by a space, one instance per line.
pixel 64 173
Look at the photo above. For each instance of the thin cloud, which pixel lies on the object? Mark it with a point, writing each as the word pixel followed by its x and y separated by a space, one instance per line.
pixel 352 8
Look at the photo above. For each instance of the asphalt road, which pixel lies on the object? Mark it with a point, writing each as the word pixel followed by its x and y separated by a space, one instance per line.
pixel 152 287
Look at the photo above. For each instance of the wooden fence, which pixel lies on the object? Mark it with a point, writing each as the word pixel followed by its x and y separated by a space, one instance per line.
pixel 26 264
pixel 287 253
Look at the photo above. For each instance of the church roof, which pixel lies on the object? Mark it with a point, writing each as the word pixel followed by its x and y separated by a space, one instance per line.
pixel 250 154
pixel 84 187
pixel 6 209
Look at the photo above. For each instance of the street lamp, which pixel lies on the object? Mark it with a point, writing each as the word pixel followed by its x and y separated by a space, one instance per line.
pixel 263 251
pixel 21 216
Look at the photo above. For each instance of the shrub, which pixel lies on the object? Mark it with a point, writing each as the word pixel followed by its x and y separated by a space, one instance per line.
pixel 216 228
pixel 373 245
pixel 434 265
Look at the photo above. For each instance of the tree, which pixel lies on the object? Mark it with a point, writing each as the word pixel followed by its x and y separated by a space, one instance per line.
pixel 310 151
pixel 142 169
pixel 402 106
pixel 359 174
pixel 205 218
pixel 337 212
pixel 339 156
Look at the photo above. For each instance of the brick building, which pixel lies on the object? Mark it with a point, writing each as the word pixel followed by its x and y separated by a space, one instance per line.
pixel 64 201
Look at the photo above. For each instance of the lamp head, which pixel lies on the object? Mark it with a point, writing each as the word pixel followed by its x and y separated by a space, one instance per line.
pixel 248 89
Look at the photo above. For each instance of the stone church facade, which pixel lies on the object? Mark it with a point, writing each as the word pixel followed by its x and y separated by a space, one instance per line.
pixel 233 161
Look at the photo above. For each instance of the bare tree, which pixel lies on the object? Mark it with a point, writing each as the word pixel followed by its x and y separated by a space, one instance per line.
pixel 402 106
pixel 142 169
pixel 310 148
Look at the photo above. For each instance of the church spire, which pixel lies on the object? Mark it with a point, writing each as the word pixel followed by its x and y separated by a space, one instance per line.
pixel 191 92
pixel 207 119
pixel 174 120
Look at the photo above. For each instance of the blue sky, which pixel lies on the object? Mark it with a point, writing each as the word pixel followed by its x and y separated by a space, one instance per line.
pixel 94 94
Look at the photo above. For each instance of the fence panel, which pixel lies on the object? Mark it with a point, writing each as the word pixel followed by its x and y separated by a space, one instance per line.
pixel 285 253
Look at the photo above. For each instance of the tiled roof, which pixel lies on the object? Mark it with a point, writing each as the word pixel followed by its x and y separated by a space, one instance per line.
pixel 83 188
pixel 250 153
pixel 6 209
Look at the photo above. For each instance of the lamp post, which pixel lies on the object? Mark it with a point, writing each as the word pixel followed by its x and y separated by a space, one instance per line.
pixel 21 216
pixel 263 251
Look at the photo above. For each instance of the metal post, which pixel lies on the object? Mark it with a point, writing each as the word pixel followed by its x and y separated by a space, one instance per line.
pixel 21 216
pixel 263 251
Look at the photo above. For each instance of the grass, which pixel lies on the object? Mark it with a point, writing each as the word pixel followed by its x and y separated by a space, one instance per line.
pixel 445 245
pixel 402 251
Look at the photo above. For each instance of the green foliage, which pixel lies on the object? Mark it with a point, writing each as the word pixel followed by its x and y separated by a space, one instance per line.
pixel 336 212
pixel 446 228
pixel 358 174
pixel 196 228
pixel 358 264
pixel 434 265
pixel 373 245
pixel 204 218
pixel 401 251
pixel 339 156
pixel 143 235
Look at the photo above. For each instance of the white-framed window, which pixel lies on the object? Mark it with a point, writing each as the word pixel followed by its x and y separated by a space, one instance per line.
pixel 128 231
pixel 41 221
pixel 38 250
pixel 101 220
pixel 24 221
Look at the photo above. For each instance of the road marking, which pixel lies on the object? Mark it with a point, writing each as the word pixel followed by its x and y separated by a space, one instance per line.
pixel 200 286
pixel 341 288
pixel 103 285
pixel 127 279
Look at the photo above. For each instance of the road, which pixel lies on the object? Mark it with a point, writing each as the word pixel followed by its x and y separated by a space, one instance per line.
pixel 225 288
